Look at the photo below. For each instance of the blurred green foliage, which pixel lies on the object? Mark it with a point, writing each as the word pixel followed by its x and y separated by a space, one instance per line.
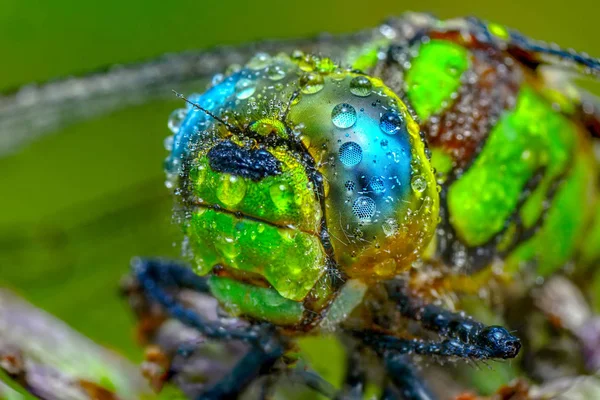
pixel 76 206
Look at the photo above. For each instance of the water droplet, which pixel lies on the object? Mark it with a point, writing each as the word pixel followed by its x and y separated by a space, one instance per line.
pixel 349 186
pixel 311 83
pixel 364 208
pixel 338 75
pixel 343 116
pixel 275 72
pixel 361 86
pixel 228 247
pixel 325 65
pixel 389 226
pixel 282 196
pixel 245 88
pixel 218 78
pixel 198 174
pixel 168 143
pixel 231 189
pixel 377 184
pixel 175 119
pixel 350 154
pixel 418 183
pixel 259 61
pixel 305 62
pixel 390 123
pixel 232 69
pixel 260 228
pixel 384 144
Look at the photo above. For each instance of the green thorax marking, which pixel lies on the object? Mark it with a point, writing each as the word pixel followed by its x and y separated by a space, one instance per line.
pixel 261 303
pixel 283 199
pixel 435 75
pixel 564 226
pixel 290 260
pixel 531 139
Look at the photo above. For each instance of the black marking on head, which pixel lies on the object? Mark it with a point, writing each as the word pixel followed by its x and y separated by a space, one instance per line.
pixel 230 158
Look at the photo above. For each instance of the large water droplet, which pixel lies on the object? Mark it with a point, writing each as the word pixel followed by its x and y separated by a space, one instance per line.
pixel 198 174
pixel 175 119
pixel 259 61
pixel 244 88
pixel 350 154
pixel 311 83
pixel 343 116
pixel 168 143
pixel 231 189
pixel 338 75
pixel 275 72
pixel 418 183
pixel 391 123
pixel 282 196
pixel 364 208
pixel 389 226
pixel 361 86
pixel 228 247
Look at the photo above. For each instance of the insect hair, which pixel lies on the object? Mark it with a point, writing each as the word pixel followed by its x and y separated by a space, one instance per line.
pixel 232 128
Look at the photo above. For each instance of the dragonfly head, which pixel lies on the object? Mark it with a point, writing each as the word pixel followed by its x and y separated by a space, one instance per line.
pixel 315 151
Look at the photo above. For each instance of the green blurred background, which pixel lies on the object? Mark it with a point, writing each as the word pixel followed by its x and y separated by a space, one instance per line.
pixel 77 205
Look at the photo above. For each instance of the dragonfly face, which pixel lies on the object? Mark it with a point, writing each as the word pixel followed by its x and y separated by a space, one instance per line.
pixel 294 170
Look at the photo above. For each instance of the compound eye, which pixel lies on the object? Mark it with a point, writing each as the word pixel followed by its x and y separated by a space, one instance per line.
pixel 381 196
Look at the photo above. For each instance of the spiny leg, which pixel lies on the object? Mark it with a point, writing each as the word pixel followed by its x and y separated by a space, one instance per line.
pixel 156 276
pixel 444 348
pixel 473 339
pixel 406 381
pixel 258 361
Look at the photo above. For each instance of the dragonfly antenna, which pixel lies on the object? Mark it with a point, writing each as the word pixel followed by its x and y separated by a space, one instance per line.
pixel 232 128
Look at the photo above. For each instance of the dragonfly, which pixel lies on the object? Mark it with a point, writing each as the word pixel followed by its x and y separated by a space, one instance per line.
pixel 400 170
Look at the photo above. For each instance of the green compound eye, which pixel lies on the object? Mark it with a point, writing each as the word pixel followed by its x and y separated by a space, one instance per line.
pixel 304 169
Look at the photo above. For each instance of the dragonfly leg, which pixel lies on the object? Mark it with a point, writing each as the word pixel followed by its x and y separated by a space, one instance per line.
pixel 407 384
pixel 156 277
pixel 259 361
pixel 470 338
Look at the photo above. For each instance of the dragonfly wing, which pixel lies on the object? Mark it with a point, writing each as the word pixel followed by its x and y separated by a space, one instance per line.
pixel 33 110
